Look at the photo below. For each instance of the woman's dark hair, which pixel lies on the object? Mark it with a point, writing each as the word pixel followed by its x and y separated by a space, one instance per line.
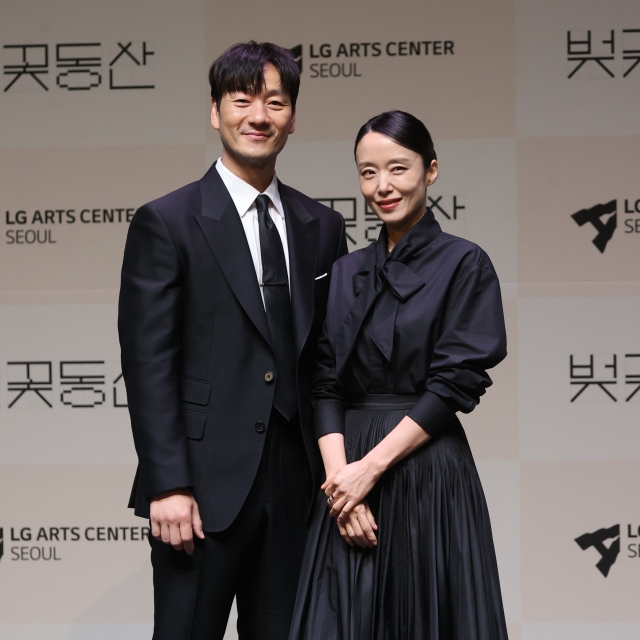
pixel 405 130
pixel 241 68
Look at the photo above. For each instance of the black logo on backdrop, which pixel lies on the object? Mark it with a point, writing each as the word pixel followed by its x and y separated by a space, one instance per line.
pixel 78 66
pixel 597 540
pixel 341 61
pixel 445 207
pixel 592 53
pixel 35 550
pixel 594 216
pixel 1 543
pixel 599 373
pixel 297 54
pixel 82 383
pixel 38 227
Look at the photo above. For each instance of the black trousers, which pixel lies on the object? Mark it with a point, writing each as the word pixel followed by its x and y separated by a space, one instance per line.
pixel 257 559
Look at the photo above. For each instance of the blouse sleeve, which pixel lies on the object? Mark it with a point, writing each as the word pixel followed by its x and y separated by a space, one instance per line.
pixel 473 340
pixel 328 395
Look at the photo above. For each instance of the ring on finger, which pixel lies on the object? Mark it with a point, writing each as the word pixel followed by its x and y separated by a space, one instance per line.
pixel 330 500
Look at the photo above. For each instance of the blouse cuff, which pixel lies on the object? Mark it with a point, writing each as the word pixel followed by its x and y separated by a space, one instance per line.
pixel 431 413
pixel 328 417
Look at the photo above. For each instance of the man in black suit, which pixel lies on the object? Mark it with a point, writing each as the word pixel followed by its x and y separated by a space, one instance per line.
pixel 224 287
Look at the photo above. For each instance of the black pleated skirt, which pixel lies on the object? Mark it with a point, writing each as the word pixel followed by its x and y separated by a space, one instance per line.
pixel 433 574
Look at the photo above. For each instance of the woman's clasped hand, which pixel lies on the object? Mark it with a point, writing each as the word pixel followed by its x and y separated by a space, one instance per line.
pixel 348 488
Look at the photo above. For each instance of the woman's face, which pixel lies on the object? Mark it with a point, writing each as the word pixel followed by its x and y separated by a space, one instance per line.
pixel 393 180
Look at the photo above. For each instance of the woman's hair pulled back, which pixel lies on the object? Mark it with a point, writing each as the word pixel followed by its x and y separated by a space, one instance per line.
pixel 405 130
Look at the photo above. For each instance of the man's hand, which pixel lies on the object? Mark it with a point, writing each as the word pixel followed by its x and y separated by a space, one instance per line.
pixel 359 527
pixel 175 518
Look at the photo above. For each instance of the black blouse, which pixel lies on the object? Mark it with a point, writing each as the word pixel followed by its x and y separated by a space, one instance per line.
pixel 425 318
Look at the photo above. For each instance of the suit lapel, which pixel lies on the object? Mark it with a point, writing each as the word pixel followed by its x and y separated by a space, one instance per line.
pixel 302 238
pixel 224 232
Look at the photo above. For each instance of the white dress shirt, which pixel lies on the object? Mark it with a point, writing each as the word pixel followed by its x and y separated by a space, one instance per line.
pixel 244 197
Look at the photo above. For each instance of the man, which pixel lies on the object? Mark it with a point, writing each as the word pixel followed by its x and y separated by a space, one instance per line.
pixel 224 287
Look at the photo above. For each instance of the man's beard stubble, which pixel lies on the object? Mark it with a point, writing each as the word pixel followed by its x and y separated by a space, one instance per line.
pixel 259 160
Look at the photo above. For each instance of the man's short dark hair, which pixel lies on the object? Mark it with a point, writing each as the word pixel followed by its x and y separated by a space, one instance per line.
pixel 241 68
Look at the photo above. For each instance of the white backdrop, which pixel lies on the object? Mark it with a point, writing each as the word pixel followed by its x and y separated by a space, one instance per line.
pixel 533 106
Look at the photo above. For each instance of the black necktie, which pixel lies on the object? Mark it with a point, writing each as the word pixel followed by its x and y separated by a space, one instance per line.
pixel 275 286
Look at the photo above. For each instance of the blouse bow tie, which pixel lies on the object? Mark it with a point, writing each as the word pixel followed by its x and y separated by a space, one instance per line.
pixel 368 285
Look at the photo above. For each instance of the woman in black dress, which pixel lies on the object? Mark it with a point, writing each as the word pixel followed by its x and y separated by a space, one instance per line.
pixel 401 545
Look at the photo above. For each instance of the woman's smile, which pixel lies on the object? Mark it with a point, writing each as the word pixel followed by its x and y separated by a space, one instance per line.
pixel 389 204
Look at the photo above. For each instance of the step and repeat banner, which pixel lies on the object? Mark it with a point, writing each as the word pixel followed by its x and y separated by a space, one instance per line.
pixel 533 106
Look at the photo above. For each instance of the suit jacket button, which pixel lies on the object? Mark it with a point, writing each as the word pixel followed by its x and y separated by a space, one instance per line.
pixel 268 377
pixel 259 427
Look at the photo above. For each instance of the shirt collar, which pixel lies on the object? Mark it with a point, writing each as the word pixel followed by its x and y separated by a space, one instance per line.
pixel 420 235
pixel 244 195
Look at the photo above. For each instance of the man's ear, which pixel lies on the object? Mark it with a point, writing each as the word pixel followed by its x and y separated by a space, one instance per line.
pixel 215 115
pixel 292 126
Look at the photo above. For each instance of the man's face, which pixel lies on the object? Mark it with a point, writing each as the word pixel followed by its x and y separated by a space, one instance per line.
pixel 255 128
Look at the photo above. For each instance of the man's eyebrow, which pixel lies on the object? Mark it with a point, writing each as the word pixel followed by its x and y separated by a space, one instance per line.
pixel 269 94
pixel 277 92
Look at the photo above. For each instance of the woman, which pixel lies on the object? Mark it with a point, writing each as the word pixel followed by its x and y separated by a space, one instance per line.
pixel 413 322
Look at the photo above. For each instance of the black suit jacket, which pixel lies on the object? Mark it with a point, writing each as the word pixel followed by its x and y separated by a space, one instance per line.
pixel 196 345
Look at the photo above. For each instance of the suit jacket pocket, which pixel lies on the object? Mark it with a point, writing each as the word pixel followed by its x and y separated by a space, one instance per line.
pixel 195 391
pixel 194 424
